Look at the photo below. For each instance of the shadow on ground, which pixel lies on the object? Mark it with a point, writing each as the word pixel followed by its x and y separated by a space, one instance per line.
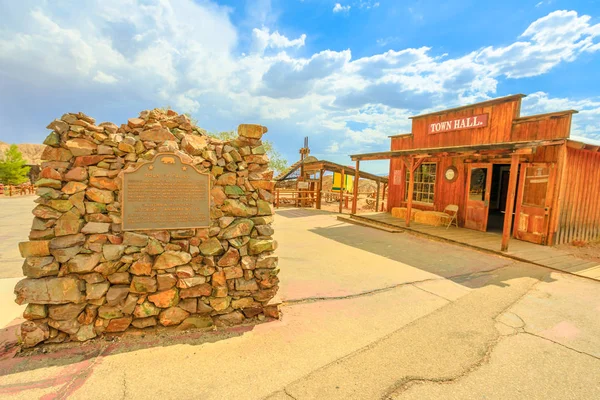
pixel 465 266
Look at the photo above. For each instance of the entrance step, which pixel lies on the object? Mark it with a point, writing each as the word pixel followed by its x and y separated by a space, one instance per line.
pixel 370 224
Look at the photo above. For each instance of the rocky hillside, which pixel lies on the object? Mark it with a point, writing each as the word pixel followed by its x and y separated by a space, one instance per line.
pixel 31 152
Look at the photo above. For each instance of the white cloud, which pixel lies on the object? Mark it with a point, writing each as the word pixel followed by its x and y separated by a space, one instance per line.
pixel 158 53
pixel 104 78
pixel 263 40
pixel 340 8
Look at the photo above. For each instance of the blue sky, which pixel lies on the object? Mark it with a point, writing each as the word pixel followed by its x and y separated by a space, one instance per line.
pixel 345 73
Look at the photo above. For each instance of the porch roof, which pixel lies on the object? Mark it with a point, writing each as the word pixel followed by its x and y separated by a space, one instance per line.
pixel 456 150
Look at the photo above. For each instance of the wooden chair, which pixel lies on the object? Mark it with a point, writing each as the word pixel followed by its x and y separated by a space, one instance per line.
pixel 452 211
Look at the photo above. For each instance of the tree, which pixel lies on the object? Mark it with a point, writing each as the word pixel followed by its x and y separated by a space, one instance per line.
pixel 276 160
pixel 13 170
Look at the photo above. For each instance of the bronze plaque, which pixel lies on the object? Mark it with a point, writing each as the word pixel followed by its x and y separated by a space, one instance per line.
pixel 165 194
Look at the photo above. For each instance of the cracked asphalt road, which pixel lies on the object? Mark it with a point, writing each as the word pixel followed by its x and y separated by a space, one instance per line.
pixel 367 315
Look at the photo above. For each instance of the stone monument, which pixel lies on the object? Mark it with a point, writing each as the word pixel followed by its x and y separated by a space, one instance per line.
pixel 147 225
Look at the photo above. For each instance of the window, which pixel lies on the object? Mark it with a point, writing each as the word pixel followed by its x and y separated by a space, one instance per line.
pixel 424 184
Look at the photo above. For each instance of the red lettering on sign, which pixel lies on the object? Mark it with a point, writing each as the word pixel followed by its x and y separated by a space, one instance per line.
pixel 476 121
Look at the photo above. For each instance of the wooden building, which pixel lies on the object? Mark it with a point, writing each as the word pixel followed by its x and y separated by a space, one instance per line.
pixel 521 176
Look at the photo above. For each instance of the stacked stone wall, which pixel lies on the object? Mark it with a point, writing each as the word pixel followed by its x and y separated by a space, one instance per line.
pixel 86 277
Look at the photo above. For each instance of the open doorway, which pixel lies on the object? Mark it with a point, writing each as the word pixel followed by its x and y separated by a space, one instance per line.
pixel 498 196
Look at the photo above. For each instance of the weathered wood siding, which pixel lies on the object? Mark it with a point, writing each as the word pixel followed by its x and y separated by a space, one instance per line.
pixel 498 129
pixel 579 217
pixel 541 127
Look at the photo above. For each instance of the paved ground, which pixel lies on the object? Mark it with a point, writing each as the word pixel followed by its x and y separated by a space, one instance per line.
pixel 367 315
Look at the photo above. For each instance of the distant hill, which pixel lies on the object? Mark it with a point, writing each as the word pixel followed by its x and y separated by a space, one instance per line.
pixel 32 153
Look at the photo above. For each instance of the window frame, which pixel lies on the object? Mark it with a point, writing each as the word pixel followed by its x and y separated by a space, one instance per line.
pixel 430 185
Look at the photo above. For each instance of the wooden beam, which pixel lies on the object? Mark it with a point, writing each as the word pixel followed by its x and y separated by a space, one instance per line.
pixel 416 164
pixel 342 184
pixel 377 199
pixel 411 182
pixel 510 202
pixel 320 190
pixel 355 194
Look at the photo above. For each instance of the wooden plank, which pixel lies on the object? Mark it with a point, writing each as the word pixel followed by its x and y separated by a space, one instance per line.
pixel 510 202
pixel 355 194
pixel 377 198
pixel 342 185
pixel 411 181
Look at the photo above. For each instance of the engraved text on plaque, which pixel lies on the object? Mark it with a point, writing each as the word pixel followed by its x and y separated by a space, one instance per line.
pixel 165 194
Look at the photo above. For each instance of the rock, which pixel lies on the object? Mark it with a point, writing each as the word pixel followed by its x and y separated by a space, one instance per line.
pixel 218 195
pixel 143 284
pixel 56 154
pixel 204 289
pixel 33 333
pixel 241 227
pixel 172 316
pixel 233 272
pixel 220 303
pixel 67 226
pixel 158 134
pixel 119 324
pixel 85 332
pixel 83 263
pixel 76 174
pixel 96 291
pixel 67 241
pixel 113 251
pixel 272 311
pixel 231 257
pixel 134 239
pixel 65 312
pixel 146 309
pixel 196 322
pixel 60 205
pixel 164 299
pixel 120 278
pixel 142 323
pixel 194 144
pixel 74 187
pixel 170 259
pixel 252 311
pixel 53 139
pixel 243 284
pixel 183 283
pixel 84 161
pixel 80 147
pixel 94 208
pixel 189 305
pixel 99 195
pixel 211 247
pixel 154 247
pixel 143 266
pixel 235 208
pixel 37 248
pixel 233 318
pixel 248 263
pixel 64 255
pixel 50 173
pixel 95 227
pixel 267 260
pixel 48 183
pixel 70 327
pixel 227 179
pixel 265 230
pixel 35 311
pixel 110 312
pixel 252 131
pixel 244 302
pixel 103 183
pixel 41 235
pixel 49 291
pixel 166 281
pixel 116 294
pixel 264 208
pixel 257 246
pixel 203 309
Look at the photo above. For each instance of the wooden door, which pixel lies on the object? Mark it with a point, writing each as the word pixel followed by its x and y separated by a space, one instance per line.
pixel 479 184
pixel 534 200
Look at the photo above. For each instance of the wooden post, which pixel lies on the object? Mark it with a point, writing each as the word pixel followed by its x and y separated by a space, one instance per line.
pixel 510 201
pixel 411 181
pixel 342 182
pixel 377 198
pixel 355 194
pixel 320 189
pixel 277 199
